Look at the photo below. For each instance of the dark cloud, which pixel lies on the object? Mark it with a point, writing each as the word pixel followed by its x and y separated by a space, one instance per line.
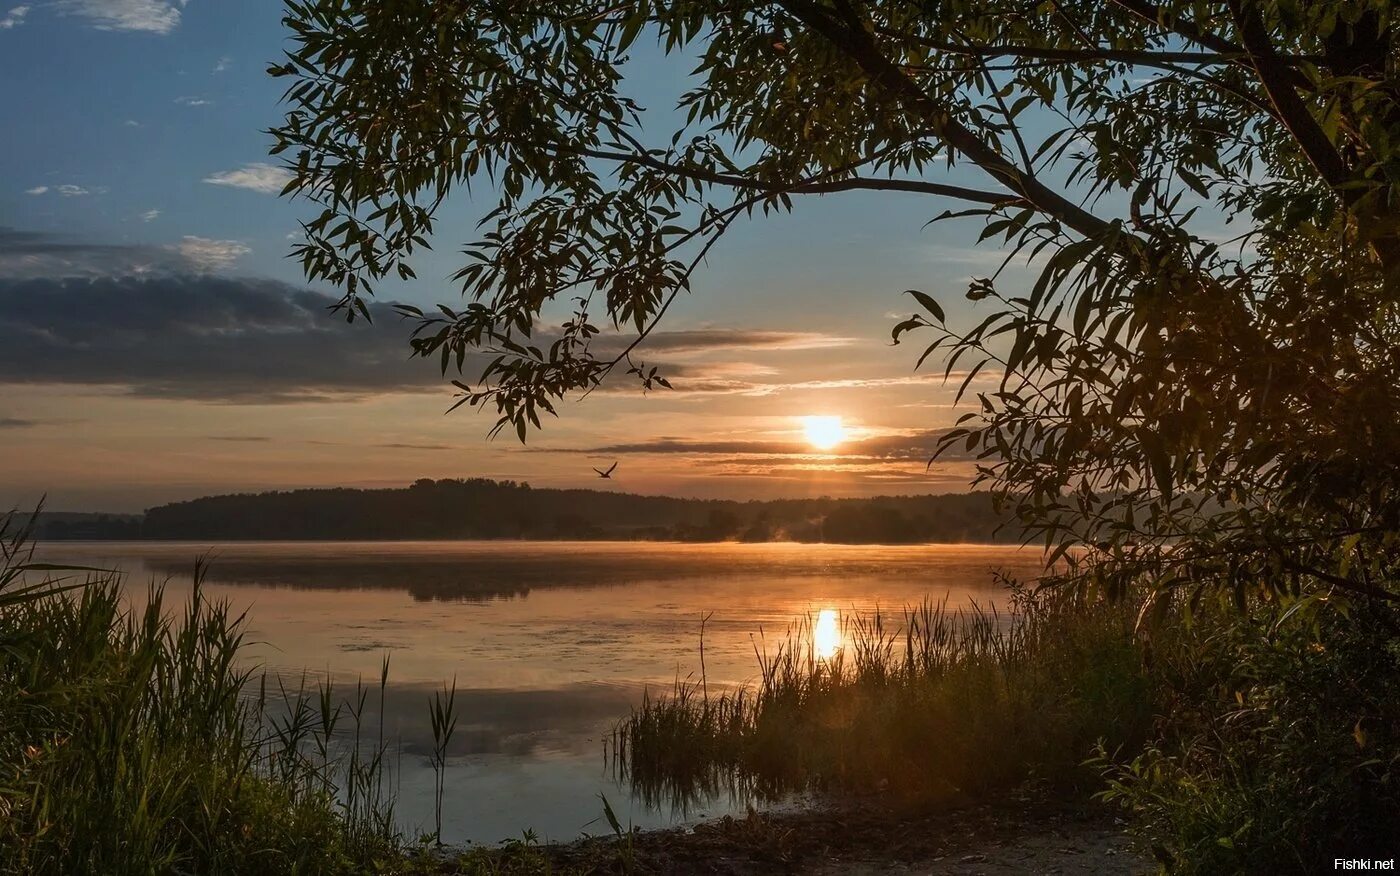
pixel 251 439
pixel 27 255
pixel 400 446
pixel 839 478
pixel 677 445
pixel 16 423
pixel 913 446
pixel 152 320
pixel 697 380
pixel 201 337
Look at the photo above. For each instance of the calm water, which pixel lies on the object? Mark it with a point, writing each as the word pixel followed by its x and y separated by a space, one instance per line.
pixel 550 643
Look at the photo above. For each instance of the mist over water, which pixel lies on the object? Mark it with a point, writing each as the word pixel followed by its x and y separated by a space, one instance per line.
pixel 550 643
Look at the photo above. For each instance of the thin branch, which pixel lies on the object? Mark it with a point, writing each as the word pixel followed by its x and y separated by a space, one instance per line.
pixel 851 37
pixel 1089 54
pixel 1339 581
pixel 980 196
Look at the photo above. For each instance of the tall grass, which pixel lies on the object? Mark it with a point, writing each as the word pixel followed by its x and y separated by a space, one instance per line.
pixel 930 704
pixel 135 741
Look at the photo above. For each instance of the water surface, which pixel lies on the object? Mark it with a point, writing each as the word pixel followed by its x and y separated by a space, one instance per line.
pixel 550 643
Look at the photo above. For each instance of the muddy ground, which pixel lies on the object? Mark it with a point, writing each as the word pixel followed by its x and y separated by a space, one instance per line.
pixel 1019 836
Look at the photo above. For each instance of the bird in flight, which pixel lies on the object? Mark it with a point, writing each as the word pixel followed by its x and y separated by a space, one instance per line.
pixel 606 475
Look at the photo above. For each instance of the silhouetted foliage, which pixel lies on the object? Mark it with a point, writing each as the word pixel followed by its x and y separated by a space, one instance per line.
pixel 1165 405
pixel 1191 413
pixel 65 525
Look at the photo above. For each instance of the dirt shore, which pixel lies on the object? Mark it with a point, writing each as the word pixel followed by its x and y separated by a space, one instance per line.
pixel 1021 836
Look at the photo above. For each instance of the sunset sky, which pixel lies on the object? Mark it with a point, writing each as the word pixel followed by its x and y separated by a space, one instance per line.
pixel 156 343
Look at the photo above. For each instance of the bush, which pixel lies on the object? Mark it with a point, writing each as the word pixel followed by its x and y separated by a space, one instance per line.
pixel 1278 746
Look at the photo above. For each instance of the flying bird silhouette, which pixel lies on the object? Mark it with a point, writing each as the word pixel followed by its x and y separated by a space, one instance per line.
pixel 607 475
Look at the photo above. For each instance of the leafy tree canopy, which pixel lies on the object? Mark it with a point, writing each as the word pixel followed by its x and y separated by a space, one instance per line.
pixel 1210 415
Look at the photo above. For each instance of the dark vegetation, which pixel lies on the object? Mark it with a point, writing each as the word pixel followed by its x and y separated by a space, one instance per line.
pixel 1262 743
pixel 1276 745
pixel 136 741
pixel 930 706
pixel 63 525
pixel 481 508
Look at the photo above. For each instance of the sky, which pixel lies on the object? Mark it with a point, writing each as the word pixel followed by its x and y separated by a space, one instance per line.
pixel 156 343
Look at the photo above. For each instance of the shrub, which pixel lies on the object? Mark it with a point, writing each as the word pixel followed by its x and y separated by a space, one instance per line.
pixel 1278 748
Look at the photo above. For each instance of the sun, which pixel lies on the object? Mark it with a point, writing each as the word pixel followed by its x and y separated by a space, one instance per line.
pixel 823 433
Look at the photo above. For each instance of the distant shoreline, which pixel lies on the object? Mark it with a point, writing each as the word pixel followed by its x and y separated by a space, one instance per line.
pixel 588 541
pixel 485 510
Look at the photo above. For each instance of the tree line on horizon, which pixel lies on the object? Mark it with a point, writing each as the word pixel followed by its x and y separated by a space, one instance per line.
pixel 482 508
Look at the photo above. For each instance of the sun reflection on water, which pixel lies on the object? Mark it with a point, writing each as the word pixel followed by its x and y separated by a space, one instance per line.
pixel 826 634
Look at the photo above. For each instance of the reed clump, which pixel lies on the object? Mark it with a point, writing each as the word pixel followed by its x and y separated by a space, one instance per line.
pixel 930 704
pixel 133 740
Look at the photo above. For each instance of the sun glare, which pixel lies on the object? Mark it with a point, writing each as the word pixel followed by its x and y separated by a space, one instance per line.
pixel 823 433
pixel 826 635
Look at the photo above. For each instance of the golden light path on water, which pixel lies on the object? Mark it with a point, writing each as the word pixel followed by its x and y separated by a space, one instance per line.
pixel 826 634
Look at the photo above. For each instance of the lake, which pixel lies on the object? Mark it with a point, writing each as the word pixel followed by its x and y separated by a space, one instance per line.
pixel 550 643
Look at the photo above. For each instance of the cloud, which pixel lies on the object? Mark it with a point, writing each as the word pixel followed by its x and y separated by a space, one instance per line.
pixel 131 123
pixel 40 255
pixel 211 255
pixel 150 215
pixel 31 255
pixel 223 64
pixel 906 446
pixel 201 337
pixel 741 339
pixel 251 439
pixel 691 381
pixel 265 178
pixel 878 481
pixel 16 423
pixel 194 101
pixel 68 190
pixel 148 16
pixel 399 446
pixel 713 339
pixel 179 330
pixel 14 18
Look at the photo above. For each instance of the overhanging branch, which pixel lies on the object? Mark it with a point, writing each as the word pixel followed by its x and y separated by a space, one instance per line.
pixel 851 37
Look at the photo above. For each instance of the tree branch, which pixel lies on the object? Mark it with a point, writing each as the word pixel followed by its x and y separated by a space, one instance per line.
pixel 1182 26
pixel 1339 581
pixel 851 37
pixel 1093 53
pixel 1292 112
pixel 1185 27
pixel 979 196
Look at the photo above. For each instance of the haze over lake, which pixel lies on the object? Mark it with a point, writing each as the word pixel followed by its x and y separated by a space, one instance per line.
pixel 551 643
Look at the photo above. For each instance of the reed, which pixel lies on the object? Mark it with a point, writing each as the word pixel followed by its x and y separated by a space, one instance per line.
pixel 932 703
pixel 442 715
pixel 135 740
